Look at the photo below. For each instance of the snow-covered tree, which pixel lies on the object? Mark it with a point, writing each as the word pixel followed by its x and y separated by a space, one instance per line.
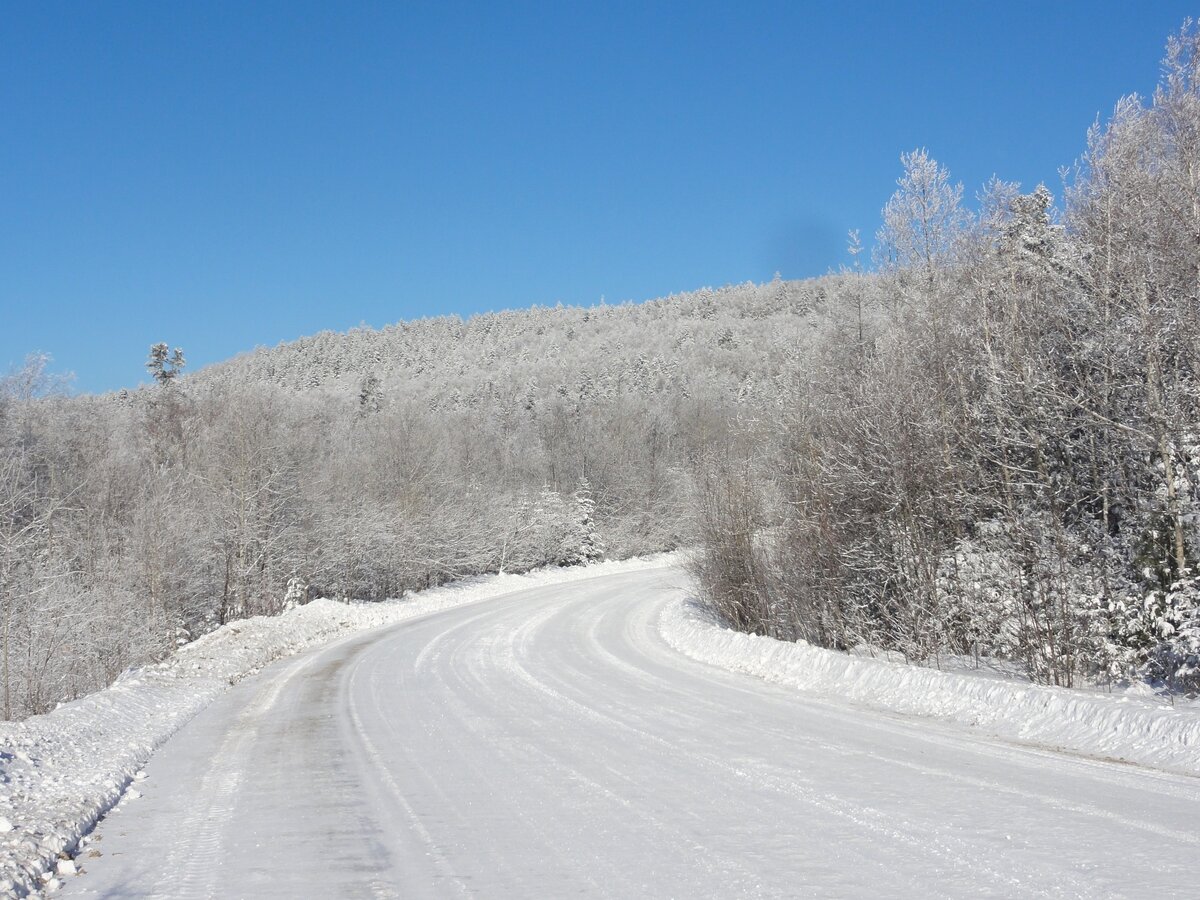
pixel 581 543
pixel 924 221
pixel 164 364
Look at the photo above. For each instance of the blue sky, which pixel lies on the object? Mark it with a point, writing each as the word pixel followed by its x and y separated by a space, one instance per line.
pixel 223 176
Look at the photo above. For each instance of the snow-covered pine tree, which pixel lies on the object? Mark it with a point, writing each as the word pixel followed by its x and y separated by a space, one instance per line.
pixel 370 395
pixel 163 364
pixel 581 543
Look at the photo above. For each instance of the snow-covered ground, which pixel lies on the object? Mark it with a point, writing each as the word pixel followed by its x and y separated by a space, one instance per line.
pixel 602 738
pixel 551 743
pixel 61 772
pixel 1128 726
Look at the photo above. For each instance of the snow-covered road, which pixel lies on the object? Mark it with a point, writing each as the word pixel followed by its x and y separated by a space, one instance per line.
pixel 550 744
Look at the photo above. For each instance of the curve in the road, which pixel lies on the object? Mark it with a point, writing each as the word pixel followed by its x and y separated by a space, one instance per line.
pixel 551 744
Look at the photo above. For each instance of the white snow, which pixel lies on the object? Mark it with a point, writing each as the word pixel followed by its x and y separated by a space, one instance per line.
pixel 1126 727
pixel 59 773
pixel 552 743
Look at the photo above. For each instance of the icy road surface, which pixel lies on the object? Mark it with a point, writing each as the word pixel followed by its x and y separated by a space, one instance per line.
pixel 550 744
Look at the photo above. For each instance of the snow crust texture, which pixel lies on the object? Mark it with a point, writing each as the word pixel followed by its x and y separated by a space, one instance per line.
pixel 1123 727
pixel 59 773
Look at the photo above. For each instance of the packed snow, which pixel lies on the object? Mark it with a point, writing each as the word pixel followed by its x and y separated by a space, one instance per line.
pixel 1124 726
pixel 60 772
pixel 63 771
pixel 551 743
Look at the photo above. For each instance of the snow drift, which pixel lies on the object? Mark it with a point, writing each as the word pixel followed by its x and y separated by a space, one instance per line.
pixel 1123 727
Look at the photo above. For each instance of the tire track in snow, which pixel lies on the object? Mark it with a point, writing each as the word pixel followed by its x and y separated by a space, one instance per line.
pixel 1009 753
pixel 196 849
pixel 378 768
pixel 554 744
pixel 911 836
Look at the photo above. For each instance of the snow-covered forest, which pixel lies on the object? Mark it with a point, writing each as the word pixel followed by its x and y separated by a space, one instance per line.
pixel 983 444
pixel 364 464
pixel 1005 461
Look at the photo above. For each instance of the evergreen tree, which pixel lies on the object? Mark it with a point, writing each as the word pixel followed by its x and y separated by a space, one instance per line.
pixel 165 365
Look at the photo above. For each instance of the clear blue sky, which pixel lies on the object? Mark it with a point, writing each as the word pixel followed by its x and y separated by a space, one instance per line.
pixel 222 176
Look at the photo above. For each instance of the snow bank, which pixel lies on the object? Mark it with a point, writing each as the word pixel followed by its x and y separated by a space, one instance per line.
pixel 59 773
pixel 1133 729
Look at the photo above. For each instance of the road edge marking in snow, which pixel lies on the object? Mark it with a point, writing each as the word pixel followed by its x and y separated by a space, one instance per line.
pixel 1103 727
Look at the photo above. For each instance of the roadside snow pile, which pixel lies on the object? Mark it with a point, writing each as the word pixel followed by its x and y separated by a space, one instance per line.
pixel 1130 728
pixel 59 773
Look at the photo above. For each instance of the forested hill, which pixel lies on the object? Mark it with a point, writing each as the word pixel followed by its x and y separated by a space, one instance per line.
pixel 734 341
pixel 366 463
pixel 988 447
